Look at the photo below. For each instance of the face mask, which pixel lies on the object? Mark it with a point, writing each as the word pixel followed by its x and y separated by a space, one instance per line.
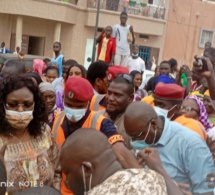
pixel 19 120
pixel 135 55
pixel 85 184
pixel 74 115
pixel 161 111
pixel 141 144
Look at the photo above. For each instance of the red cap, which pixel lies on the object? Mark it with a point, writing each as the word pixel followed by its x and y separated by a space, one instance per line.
pixel 169 92
pixel 115 70
pixel 78 89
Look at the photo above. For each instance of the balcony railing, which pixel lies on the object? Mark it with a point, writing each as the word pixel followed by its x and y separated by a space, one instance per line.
pixel 135 7
pixel 69 1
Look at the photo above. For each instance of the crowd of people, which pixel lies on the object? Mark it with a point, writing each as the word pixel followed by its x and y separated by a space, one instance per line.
pixel 67 130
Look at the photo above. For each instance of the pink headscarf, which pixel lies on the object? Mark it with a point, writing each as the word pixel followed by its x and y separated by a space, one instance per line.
pixel 39 66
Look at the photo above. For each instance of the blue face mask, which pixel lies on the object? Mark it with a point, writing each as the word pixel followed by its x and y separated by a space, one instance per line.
pixel 141 144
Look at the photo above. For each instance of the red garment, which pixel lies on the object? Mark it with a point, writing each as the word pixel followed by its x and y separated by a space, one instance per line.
pixel 111 48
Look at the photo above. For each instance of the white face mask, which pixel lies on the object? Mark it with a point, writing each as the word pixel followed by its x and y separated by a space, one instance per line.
pixel 74 115
pixel 135 55
pixel 19 120
pixel 161 111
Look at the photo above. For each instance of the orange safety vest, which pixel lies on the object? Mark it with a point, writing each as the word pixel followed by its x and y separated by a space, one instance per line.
pixel 94 104
pixel 94 120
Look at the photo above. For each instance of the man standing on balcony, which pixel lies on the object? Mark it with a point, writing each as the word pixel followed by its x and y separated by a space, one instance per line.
pixel 124 35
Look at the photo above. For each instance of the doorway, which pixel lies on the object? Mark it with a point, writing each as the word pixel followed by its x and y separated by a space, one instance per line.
pixel 36 45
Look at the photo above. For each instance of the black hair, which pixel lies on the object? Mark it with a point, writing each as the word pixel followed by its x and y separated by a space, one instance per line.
pixel 45 190
pixel 165 62
pixel 124 13
pixel 57 43
pixel 16 64
pixel 83 70
pixel 208 42
pixel 51 67
pixel 16 82
pixel 35 76
pixel 46 60
pixel 172 62
pixel 3 178
pixel 96 70
pixel 70 62
pixel 133 73
pixel 130 87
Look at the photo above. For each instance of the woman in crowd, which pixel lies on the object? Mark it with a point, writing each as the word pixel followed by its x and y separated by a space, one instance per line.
pixel 137 79
pixel 49 96
pixel 209 108
pixel 193 107
pixel 39 66
pixel 51 73
pixel 75 70
pixel 31 156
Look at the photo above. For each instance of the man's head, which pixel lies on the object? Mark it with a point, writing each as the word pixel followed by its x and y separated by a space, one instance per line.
pixel 142 124
pixel 90 162
pixel 174 64
pixel 167 96
pixel 45 190
pixel 2 44
pixel 165 68
pixel 135 51
pixel 210 53
pixel 108 31
pixel 97 76
pixel 120 94
pixel 196 76
pixel 56 47
pixel 77 95
pixel 123 18
pixel 207 44
pixel 12 67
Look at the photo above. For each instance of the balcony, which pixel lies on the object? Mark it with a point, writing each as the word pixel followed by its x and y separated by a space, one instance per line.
pixel 148 20
pixel 133 7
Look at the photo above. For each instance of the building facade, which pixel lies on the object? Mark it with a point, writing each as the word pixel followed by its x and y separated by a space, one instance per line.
pixel 35 24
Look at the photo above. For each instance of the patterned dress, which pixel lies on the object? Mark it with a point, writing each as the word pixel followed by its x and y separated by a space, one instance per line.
pixel 132 182
pixel 32 163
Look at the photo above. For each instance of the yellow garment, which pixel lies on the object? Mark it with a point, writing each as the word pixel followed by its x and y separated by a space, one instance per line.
pixel 207 93
pixel 103 49
pixel 196 93
pixel 149 100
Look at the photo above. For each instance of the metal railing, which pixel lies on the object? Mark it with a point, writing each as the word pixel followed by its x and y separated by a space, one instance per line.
pixel 69 1
pixel 134 7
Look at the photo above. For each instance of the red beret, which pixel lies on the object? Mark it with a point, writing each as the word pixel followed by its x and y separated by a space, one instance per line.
pixel 169 92
pixel 115 70
pixel 78 89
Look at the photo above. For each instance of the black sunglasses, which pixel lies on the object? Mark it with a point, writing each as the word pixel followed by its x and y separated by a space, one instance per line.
pixel 127 77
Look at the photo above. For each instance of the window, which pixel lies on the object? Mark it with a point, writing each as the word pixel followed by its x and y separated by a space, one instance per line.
pixel 206 35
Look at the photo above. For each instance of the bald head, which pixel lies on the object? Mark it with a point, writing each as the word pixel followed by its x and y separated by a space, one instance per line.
pixel 88 142
pixel 85 152
pixel 138 121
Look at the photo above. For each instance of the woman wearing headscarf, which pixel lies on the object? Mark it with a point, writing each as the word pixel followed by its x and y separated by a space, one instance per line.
pixel 137 79
pixel 49 96
pixel 193 107
pixel 39 66
pixel 209 108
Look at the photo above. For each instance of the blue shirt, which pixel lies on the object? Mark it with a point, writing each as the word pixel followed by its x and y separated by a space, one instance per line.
pixel 185 156
pixel 59 61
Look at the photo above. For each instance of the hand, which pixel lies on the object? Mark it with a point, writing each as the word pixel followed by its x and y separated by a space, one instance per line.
pixel 186 70
pixel 184 188
pixel 211 179
pixel 151 158
pixel 131 29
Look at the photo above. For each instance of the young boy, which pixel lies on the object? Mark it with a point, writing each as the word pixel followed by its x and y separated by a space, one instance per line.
pixel 107 46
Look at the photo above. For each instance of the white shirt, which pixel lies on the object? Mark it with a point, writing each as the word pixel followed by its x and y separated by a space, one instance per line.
pixel 120 33
pixel 136 64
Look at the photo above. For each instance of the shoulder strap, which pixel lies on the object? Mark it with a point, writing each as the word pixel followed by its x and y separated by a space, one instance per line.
pixel 98 98
pixel 95 118
pixel 62 114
